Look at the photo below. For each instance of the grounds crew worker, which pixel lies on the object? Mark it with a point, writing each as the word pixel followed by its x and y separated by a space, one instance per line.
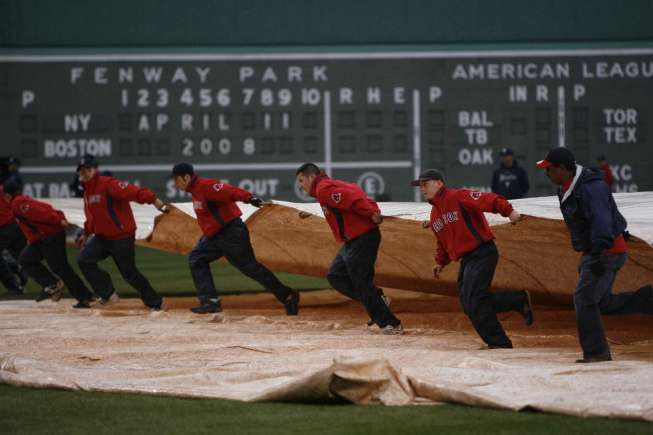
pixel 597 231
pixel 463 233
pixel 44 227
pixel 13 240
pixel 109 230
pixel 354 220
pixel 225 234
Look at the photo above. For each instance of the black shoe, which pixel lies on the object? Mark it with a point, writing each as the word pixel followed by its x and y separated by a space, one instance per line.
pixel 602 357
pixel 527 309
pixel 207 307
pixel 292 303
pixel 42 296
pixel 82 304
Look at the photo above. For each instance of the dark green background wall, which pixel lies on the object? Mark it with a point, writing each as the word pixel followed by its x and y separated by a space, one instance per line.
pixel 116 23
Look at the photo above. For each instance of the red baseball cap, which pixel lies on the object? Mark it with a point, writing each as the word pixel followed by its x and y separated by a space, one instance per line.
pixel 557 156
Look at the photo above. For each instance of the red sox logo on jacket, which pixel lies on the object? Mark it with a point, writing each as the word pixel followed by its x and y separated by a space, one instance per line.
pixel 475 194
pixel 218 187
pixel 447 218
pixel 337 197
pixel 24 208
pixel 123 184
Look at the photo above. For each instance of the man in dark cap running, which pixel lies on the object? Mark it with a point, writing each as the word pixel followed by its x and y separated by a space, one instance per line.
pixel 597 231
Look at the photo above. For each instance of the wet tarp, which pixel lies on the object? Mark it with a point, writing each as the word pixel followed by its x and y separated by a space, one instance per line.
pixel 252 352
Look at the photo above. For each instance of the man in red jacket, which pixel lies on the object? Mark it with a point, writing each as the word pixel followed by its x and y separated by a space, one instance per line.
pixel 354 220
pixel 13 240
pixel 463 233
pixel 225 234
pixel 44 228
pixel 109 230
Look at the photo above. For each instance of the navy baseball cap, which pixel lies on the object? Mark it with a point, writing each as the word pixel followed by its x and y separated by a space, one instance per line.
pixel 87 161
pixel 557 156
pixel 506 152
pixel 429 174
pixel 181 169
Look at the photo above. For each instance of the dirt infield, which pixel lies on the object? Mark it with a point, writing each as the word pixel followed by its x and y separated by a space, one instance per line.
pixel 424 313
pixel 252 352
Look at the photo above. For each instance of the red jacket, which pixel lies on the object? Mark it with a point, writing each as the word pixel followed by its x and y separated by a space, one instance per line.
pixel 36 219
pixel 215 203
pixel 346 207
pixel 107 209
pixel 6 216
pixel 458 222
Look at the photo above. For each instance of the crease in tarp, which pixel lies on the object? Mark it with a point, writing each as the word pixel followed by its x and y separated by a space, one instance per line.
pixel 358 381
pixel 255 353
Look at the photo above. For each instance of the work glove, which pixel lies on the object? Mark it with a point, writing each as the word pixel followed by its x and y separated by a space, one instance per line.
pixel 256 202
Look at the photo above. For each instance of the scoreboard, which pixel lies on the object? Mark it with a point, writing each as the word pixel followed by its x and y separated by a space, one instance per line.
pixel 375 118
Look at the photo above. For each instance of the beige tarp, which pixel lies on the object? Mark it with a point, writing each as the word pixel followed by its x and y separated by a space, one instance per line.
pixel 252 352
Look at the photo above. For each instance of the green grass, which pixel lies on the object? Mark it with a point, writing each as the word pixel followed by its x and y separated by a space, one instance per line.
pixel 170 276
pixel 24 411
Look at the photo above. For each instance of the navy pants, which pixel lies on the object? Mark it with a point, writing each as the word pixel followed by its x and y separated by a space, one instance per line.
pixel 123 252
pixel 53 250
pixel 474 280
pixel 593 297
pixel 13 240
pixel 232 242
pixel 352 274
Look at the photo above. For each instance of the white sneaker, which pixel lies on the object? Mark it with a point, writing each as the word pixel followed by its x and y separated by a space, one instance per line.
pixel 103 303
pixel 392 330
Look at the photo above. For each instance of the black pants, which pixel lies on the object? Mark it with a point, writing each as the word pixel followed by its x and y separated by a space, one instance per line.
pixel 233 243
pixel 13 240
pixel 123 253
pixel 593 297
pixel 474 280
pixel 352 274
pixel 53 250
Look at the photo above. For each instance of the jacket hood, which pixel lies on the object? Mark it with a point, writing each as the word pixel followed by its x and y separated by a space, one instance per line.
pixel 590 174
pixel 583 176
